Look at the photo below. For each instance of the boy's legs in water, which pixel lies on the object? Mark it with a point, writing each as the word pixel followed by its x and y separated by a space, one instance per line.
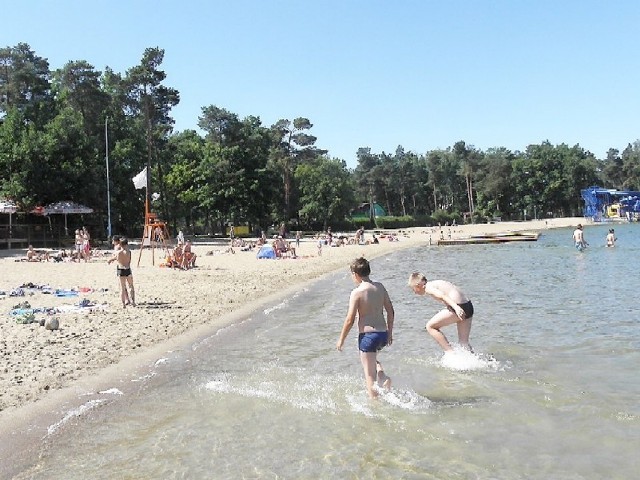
pixel 368 360
pixel 464 329
pixel 384 380
pixel 439 320
pixel 444 318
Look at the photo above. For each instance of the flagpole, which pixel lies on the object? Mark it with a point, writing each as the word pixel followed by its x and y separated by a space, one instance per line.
pixel 106 145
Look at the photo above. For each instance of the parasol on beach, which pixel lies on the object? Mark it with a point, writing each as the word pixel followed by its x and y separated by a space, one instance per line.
pixel 7 206
pixel 65 208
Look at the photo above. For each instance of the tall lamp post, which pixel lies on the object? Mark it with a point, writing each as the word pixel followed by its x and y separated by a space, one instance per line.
pixel 106 149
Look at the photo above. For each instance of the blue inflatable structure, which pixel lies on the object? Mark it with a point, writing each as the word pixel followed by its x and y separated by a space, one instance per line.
pixel 608 204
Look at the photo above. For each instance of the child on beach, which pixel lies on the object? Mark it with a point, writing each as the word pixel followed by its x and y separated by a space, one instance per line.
pixel 122 255
pixel 367 302
pixel 459 309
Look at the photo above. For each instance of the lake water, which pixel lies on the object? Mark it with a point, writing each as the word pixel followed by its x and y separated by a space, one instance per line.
pixel 551 393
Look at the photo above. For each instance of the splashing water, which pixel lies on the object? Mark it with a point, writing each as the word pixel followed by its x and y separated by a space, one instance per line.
pixel 462 359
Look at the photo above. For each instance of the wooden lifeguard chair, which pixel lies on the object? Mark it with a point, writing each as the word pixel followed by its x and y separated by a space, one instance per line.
pixel 155 235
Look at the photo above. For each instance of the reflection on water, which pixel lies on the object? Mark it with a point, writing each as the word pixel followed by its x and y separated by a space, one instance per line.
pixel 551 391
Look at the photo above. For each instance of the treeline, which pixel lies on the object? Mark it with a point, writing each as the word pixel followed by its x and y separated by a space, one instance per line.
pixel 57 127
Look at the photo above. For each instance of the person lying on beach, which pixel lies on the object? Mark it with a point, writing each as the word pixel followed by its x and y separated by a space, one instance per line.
pixel 369 301
pixel 459 309
pixel 60 255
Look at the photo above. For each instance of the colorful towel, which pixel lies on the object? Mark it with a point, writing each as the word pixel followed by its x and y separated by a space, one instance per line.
pixel 66 293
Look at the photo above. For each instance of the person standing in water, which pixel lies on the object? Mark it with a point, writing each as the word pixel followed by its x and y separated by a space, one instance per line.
pixel 578 238
pixel 611 238
pixel 459 309
pixel 122 255
pixel 369 301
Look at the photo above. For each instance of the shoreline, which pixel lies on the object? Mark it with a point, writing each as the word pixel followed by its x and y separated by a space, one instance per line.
pixel 50 372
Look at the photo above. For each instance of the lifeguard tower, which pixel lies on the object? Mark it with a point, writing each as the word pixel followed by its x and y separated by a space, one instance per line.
pixel 155 234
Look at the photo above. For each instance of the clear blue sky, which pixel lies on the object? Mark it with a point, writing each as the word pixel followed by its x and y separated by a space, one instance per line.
pixel 372 73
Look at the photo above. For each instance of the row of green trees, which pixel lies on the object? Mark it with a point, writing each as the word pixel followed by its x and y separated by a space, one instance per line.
pixel 57 128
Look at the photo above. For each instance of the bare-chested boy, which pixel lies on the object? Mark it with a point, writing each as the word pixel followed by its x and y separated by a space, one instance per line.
pixel 459 309
pixel 578 238
pixel 368 301
pixel 122 255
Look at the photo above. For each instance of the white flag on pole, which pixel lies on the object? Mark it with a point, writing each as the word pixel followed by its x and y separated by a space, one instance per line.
pixel 140 180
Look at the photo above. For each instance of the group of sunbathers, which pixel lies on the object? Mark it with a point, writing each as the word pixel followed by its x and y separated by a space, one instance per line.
pixel 181 256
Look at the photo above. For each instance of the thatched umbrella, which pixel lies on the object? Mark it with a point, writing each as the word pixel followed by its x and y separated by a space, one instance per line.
pixel 65 208
pixel 7 206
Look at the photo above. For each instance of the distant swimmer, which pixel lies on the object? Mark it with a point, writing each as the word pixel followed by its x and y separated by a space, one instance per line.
pixel 578 238
pixel 369 302
pixel 611 238
pixel 459 309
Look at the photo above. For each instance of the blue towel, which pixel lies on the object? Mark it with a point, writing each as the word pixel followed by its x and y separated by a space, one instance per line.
pixel 66 293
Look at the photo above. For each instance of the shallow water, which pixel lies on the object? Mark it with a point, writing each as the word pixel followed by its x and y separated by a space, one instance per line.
pixel 552 391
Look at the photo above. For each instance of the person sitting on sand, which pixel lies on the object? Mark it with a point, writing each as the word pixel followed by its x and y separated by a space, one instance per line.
pixel 35 256
pixel 32 255
pixel 189 257
pixel 282 247
pixel 177 257
pixel 248 246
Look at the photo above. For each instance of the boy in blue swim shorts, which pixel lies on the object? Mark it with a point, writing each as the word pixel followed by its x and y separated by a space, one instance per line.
pixel 369 302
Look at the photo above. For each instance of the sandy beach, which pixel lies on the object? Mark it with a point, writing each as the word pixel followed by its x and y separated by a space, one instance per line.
pixel 173 306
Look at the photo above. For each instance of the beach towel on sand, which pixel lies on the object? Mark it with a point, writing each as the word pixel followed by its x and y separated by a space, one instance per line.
pixel 66 293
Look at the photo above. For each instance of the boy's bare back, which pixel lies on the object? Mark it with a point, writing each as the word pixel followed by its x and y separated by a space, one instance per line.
pixel 445 288
pixel 371 298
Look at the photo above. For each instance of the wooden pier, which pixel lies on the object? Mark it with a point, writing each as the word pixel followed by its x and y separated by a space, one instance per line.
pixel 493 238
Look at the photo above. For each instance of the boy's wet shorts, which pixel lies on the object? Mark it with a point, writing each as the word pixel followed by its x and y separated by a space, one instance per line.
pixel 467 307
pixel 372 341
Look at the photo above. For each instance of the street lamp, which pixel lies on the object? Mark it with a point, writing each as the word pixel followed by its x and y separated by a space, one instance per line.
pixel 106 149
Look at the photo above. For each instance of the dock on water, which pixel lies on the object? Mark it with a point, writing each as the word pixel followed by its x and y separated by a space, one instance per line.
pixel 492 238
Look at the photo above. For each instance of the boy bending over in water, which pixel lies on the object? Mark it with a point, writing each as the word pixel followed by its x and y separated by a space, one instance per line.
pixel 367 302
pixel 459 309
